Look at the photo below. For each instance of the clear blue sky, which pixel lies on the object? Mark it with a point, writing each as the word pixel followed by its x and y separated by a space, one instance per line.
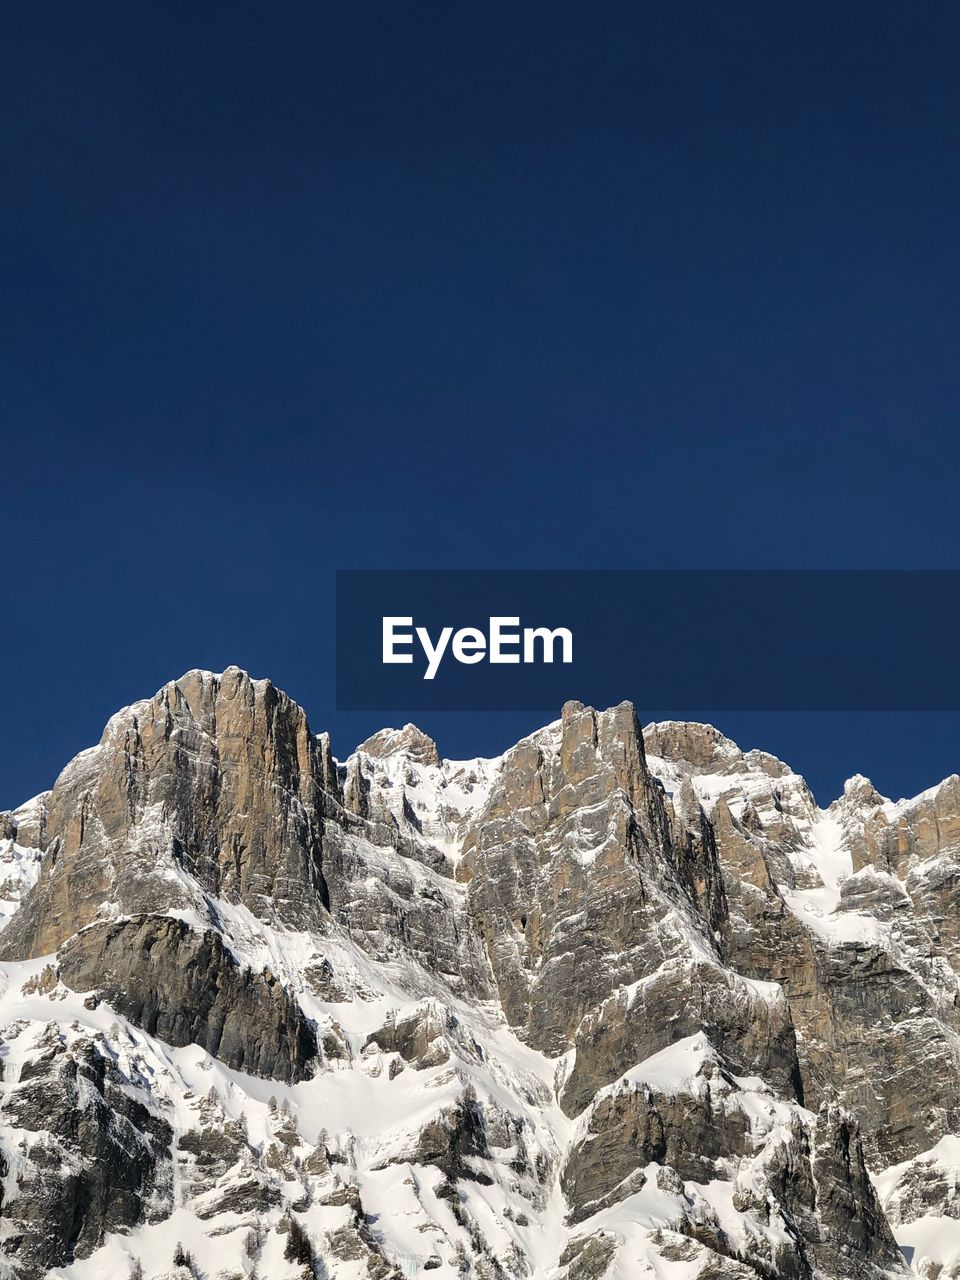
pixel 293 287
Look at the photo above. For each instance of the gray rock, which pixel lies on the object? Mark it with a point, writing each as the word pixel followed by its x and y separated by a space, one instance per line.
pixel 218 775
pixel 96 1159
pixel 186 988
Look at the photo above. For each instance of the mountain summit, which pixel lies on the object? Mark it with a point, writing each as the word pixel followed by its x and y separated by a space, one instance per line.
pixel 620 1003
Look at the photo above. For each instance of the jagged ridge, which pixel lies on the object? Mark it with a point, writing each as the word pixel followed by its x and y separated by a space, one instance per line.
pixel 617 1003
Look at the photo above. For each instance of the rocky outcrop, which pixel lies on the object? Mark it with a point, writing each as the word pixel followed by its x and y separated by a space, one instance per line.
pixel 748 1023
pixel 394 906
pixel 455 1142
pixel 926 1187
pixel 185 988
pixel 573 874
pixel 684 1122
pixel 215 782
pixel 409 742
pixel 632 1127
pixel 94 1158
pixel 854 1232
pixel 220 1168
pixel 830 907
pixel 420 1037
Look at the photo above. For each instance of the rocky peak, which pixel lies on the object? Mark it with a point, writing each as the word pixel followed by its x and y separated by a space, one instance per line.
pixel 410 741
pixel 701 746
pixel 215 784
pixel 572 870
pixel 859 790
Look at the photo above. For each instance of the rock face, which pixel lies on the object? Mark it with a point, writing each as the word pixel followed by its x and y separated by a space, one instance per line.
pixel 858 951
pixel 96 1159
pixel 185 988
pixel 619 1003
pixel 215 784
pixel 748 1022
pixel 575 882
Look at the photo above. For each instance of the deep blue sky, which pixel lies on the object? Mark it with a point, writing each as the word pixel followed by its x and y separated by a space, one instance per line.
pixel 293 287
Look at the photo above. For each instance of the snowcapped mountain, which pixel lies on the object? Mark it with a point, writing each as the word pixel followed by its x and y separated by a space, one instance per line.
pixel 618 1004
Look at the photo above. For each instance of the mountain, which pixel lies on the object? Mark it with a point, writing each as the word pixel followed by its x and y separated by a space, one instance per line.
pixel 621 1003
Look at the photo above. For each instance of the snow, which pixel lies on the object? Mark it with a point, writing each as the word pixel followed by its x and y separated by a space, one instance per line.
pixel 440 799
pixel 935 1242
pixel 933 1237
pixel 828 855
pixel 678 1070
pixel 817 839
pixel 19 862
pixel 672 1069
pixel 19 870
